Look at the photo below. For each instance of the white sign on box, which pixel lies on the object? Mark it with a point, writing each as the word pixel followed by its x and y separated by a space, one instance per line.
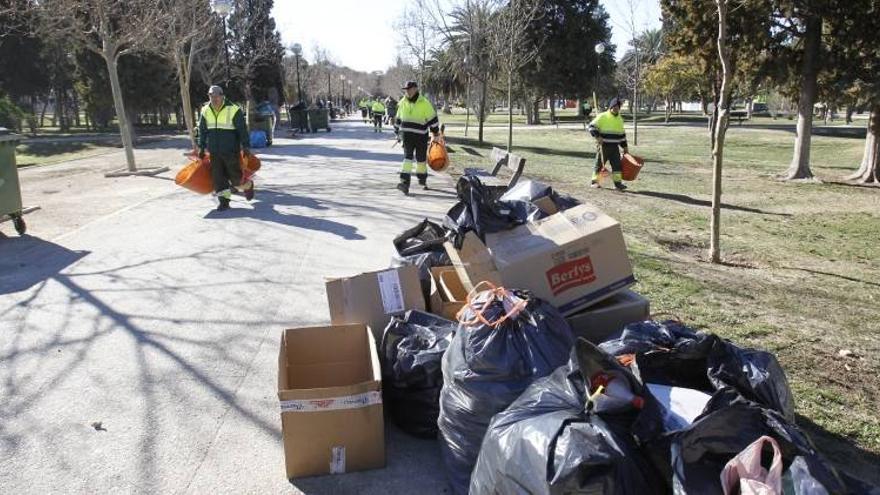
pixel 392 294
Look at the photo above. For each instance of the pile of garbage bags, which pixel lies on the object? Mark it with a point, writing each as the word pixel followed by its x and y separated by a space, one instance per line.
pixel 505 341
pixel 576 432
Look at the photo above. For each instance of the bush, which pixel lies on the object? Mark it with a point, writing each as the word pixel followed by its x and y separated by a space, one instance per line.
pixel 10 115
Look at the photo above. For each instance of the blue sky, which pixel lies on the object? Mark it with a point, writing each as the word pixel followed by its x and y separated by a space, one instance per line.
pixel 352 30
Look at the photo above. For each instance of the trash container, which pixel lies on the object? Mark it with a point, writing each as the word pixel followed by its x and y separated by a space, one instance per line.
pixel 299 119
pixel 263 119
pixel 10 189
pixel 319 119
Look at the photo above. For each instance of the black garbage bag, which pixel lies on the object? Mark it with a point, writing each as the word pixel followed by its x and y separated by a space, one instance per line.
pixel 697 454
pixel 412 350
pixel 506 340
pixel 548 442
pixel 424 262
pixel 532 190
pixel 425 237
pixel 479 211
pixel 669 353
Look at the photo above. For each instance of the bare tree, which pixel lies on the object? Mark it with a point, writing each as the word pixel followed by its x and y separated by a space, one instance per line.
pixel 417 36
pixel 111 29
pixel 723 111
pixel 512 47
pixel 182 40
pixel 466 30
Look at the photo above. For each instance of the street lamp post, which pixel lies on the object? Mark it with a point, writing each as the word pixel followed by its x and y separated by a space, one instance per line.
pixel 296 48
pixel 599 49
pixel 329 92
pixel 223 8
pixel 342 93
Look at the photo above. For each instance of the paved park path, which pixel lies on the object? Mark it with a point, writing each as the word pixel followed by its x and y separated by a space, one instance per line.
pixel 133 306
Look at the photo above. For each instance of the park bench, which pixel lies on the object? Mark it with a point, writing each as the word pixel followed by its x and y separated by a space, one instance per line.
pixel 739 116
pixel 514 163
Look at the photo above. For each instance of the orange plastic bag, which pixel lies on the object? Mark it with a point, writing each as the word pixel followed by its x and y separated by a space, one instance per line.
pixel 438 157
pixel 631 165
pixel 196 176
pixel 250 164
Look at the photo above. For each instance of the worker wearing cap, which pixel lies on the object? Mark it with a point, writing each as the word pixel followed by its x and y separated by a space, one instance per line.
pixel 608 130
pixel 416 116
pixel 378 114
pixel 363 106
pixel 223 132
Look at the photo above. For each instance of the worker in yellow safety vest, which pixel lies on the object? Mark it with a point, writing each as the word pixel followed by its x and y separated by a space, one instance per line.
pixel 610 135
pixel 364 110
pixel 416 116
pixel 223 132
pixel 378 114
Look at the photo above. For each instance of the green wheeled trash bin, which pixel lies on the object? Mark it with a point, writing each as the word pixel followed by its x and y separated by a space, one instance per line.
pixel 319 119
pixel 299 119
pixel 10 188
pixel 263 119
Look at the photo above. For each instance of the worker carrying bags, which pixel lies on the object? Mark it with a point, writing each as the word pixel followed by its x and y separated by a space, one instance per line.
pixel 505 341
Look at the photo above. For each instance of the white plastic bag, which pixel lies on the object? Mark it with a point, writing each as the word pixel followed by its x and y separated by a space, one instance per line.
pixel 745 475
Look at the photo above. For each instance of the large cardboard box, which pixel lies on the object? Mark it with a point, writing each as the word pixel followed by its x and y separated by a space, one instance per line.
pixel 330 388
pixel 572 259
pixel 607 318
pixel 473 262
pixel 448 295
pixel 372 298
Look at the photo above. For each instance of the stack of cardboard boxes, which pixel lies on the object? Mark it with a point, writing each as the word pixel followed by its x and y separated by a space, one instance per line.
pixel 329 382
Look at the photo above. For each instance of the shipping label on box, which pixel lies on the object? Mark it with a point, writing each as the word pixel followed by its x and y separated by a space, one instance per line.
pixel 372 298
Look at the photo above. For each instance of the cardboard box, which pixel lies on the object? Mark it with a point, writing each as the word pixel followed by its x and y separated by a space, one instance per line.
pixel 600 322
pixel 473 262
pixel 372 298
pixel 441 305
pixel 572 260
pixel 330 388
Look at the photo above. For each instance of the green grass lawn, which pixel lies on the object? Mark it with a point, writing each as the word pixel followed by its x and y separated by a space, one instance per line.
pixel 801 276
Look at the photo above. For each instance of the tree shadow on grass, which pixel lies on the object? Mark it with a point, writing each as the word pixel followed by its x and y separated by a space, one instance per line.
pixel 843 453
pixel 681 198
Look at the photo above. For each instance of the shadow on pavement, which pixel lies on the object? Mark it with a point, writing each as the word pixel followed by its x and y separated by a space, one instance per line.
pixel 264 209
pixel 26 261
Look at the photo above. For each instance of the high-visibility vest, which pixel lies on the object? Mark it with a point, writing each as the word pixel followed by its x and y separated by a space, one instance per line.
pixel 610 127
pixel 221 120
pixel 417 116
pixel 378 107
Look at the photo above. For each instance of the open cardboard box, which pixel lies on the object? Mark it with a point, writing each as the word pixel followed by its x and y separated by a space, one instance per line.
pixel 330 388
pixel 606 319
pixel 448 295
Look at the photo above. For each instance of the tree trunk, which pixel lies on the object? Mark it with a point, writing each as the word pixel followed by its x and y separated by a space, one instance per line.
pixel 750 103
pixel 850 108
pixel 183 78
pixel 43 112
pixel 722 110
pixel 668 111
pixel 75 101
pixel 124 127
pixel 467 106
pixel 580 104
pixel 869 170
pixel 509 111
pixel 800 162
pixel 536 112
pixel 553 110
pixel 483 91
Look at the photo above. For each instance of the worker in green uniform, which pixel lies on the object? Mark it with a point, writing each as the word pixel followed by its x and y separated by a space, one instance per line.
pixel 416 116
pixel 363 106
pixel 610 136
pixel 223 132
pixel 378 114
